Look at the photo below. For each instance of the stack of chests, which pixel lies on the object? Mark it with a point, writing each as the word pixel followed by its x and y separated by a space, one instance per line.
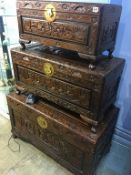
pixel 65 87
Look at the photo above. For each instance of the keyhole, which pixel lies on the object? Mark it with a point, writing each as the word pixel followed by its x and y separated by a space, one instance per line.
pixel 50 12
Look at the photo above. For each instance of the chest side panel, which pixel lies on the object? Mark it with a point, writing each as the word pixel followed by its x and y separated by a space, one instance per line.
pixel 108 30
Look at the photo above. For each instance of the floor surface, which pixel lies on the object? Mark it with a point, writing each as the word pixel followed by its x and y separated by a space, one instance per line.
pixel 31 161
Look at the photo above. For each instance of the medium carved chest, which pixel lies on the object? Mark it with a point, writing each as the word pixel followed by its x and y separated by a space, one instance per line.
pixel 86 28
pixel 61 135
pixel 67 82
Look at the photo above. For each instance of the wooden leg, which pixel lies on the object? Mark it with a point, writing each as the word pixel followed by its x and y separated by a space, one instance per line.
pixel 90 122
pixel 18 92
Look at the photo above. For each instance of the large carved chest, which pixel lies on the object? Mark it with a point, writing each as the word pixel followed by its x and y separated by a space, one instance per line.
pixel 61 135
pixel 86 28
pixel 67 82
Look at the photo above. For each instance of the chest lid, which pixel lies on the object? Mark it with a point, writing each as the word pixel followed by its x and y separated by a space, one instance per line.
pixel 52 7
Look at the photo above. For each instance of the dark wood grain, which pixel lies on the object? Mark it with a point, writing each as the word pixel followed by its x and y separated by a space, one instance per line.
pixel 72 85
pixel 66 138
pixel 86 28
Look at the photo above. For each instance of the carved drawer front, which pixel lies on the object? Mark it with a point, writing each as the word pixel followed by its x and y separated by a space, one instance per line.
pixel 63 149
pixel 66 91
pixel 66 31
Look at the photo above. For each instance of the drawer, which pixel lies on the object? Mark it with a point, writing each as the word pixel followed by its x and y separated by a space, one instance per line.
pixel 73 94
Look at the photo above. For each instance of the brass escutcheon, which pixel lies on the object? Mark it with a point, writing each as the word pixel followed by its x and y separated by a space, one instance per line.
pixel 42 122
pixel 50 13
pixel 48 69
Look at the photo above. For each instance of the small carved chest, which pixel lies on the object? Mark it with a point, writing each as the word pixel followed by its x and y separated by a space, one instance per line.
pixel 61 135
pixel 86 28
pixel 68 82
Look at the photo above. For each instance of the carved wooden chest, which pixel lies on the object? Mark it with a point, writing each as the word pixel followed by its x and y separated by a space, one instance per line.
pixel 86 28
pixel 60 135
pixel 67 82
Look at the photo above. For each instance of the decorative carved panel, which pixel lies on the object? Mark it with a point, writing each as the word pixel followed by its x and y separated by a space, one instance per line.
pixel 69 92
pixel 76 32
pixel 63 149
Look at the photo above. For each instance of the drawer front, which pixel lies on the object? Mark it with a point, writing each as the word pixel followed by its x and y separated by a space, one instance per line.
pixel 66 31
pixel 36 128
pixel 66 91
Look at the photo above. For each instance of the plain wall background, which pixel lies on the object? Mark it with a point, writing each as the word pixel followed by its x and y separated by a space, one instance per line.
pixel 123 49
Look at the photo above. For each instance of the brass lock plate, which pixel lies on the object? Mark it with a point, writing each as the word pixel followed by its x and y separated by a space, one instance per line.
pixel 42 122
pixel 48 69
pixel 50 13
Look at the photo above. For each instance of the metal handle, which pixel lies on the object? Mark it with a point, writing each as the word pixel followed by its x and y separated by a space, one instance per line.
pixel 50 13
pixel 48 69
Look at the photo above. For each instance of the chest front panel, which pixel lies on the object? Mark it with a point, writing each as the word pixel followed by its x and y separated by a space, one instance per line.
pixel 60 24
pixel 83 27
pixel 65 91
